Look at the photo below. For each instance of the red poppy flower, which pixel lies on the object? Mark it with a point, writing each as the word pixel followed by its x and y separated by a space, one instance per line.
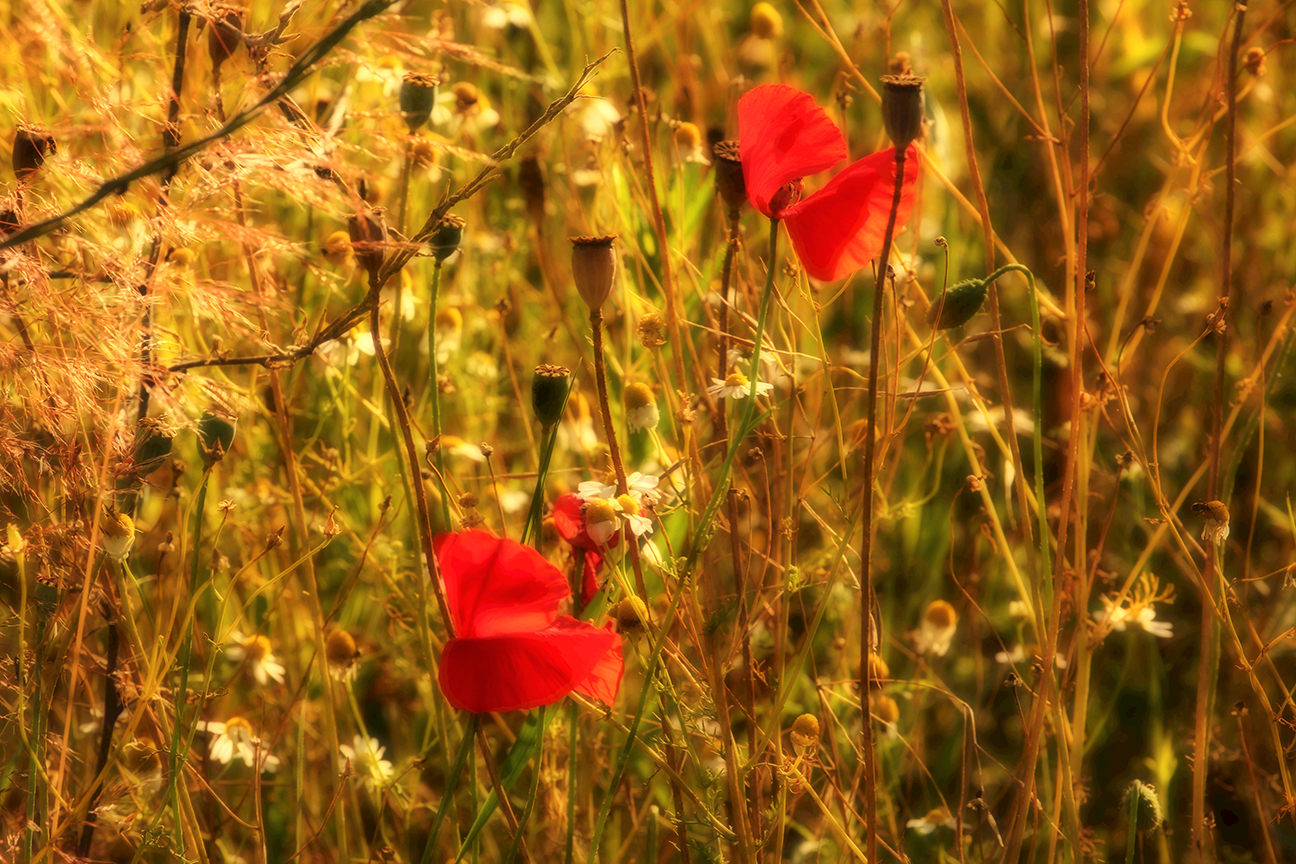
pixel 783 136
pixel 513 651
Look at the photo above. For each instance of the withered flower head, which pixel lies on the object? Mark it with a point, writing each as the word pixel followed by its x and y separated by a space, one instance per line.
pixel 903 107
pixel 1148 803
pixel 594 269
pixel 652 331
pixel 1216 516
pixel 417 98
pixel 805 733
pixel 30 149
pixel 368 240
pixel 446 237
pixel 631 615
pixel 729 174
pixel 466 96
pixel 549 393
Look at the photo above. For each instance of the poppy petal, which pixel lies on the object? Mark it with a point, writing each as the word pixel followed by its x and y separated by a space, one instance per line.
pixel 496 586
pixel 840 228
pixel 524 670
pixel 589 576
pixel 783 136
pixel 604 679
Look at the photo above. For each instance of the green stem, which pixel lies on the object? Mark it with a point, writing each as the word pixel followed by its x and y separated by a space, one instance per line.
pixel 573 765
pixel 1133 829
pixel 435 396
pixel 535 789
pixel 447 800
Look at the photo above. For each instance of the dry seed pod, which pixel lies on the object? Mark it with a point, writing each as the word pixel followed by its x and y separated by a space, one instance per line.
pixel 30 149
pixel 903 107
pixel 594 269
pixel 224 34
pixel 368 240
pixel 417 98
pixel 729 174
pixel 445 240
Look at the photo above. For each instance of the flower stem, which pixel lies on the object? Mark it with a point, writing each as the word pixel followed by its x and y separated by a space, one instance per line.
pixel 435 396
pixel 866 544
pixel 447 800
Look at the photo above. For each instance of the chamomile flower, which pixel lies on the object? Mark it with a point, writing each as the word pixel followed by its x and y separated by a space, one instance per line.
pixel 938 818
pixel 642 486
pixel 633 513
pixel 736 386
pixel 1141 616
pixel 601 520
pixel 366 758
pixel 256 649
pixel 1215 527
pixel 341 651
pixel 641 407
pixel 234 740
pixel 936 631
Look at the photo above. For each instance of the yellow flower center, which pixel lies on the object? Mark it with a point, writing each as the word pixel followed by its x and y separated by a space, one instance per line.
pixel 257 648
pixel 639 395
pixel 941 615
pixel 736 379
pixel 599 511
pixel 629 505
pixel 237 727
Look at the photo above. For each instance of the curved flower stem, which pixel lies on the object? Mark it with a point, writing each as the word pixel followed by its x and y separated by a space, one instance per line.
pixel 866 544
pixel 435 397
pixel 423 520
pixel 614 449
pixel 535 790
pixel 447 800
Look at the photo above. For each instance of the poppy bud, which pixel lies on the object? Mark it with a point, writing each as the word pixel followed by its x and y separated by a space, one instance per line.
pixel 903 107
pixel 417 97
pixel 216 435
pixel 225 34
pixel 641 407
pixel 1149 805
pixel 958 306
pixel 593 269
pixel 879 671
pixel 765 21
pixel 30 148
pixel 805 733
pixel 631 615
pixel 368 239
pixel 446 237
pixel 729 174
pixel 549 393
pixel 152 446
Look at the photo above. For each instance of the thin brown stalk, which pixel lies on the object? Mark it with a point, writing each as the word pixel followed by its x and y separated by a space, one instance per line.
pixel 866 544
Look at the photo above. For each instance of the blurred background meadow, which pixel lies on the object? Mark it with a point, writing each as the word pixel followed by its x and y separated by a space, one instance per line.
pixel 219 636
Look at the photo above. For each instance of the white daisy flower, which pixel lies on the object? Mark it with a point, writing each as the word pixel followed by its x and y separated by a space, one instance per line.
pixel 1141 616
pixel 366 758
pixel 938 818
pixel 736 386
pixel 234 739
pixel 936 631
pixel 632 511
pixel 261 660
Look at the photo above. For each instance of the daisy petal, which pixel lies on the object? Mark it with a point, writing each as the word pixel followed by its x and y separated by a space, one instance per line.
pixel 783 136
pixel 840 228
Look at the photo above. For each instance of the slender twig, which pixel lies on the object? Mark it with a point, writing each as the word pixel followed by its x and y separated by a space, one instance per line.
pixel 866 544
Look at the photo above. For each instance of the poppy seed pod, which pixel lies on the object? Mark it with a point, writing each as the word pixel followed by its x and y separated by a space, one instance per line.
pixel 30 148
pixel 224 35
pixel 549 393
pixel 368 239
pixel 216 436
pixel 446 238
pixel 593 269
pixel 417 97
pixel 903 107
pixel 729 174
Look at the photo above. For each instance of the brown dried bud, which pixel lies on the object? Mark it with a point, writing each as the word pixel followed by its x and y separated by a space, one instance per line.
pixel 445 240
pixel 340 648
pixel 903 108
pixel 652 331
pixel 1254 61
pixel 30 148
pixel 805 733
pixel 224 34
pixel 594 269
pixel 729 174
pixel 631 615
pixel 368 240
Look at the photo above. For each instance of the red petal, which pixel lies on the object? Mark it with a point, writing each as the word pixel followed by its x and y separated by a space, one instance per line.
pixel 782 136
pixel 496 586
pixel 526 670
pixel 589 577
pixel 605 679
pixel 840 228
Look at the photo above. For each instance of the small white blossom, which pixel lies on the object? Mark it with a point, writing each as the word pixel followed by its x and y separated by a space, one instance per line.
pixel 234 739
pixel 366 758
pixel 736 386
pixel 936 631
pixel 938 818
pixel 261 660
pixel 1140 615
